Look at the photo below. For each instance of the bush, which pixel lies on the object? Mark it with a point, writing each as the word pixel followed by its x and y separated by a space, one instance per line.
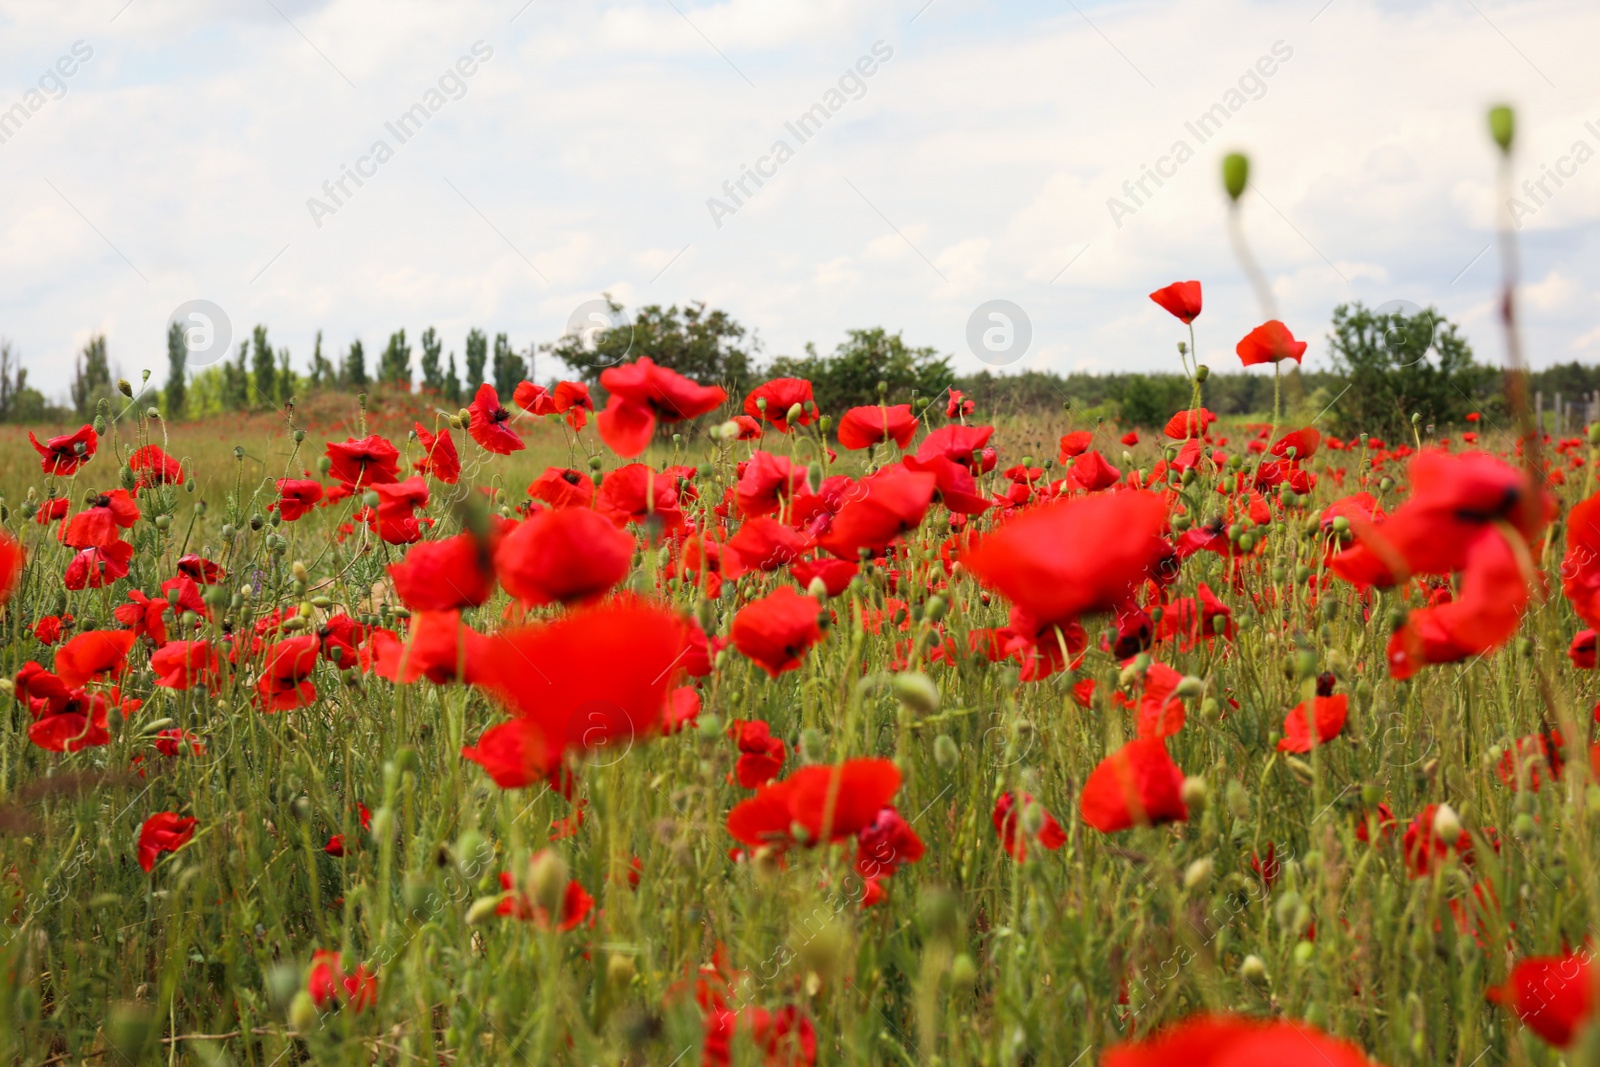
pixel 1394 365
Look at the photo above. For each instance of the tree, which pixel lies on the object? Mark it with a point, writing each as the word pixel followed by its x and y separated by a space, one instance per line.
pixel 264 378
pixel 452 382
pixel 1397 365
pixel 353 372
pixel 93 378
pixel 236 381
pixel 177 370
pixel 1151 399
pixel 508 366
pixel 850 376
pixel 19 402
pixel 706 346
pixel 432 377
pixel 477 357
pixel 322 372
pixel 394 367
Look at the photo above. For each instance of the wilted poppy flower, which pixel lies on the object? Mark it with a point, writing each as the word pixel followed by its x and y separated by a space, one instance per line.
pixel 99 524
pixel 1329 713
pixel 761 755
pixel 885 844
pixel 562 488
pixel 576 904
pixel 591 681
pixel 166 831
pixel 454 572
pixel 1236 1041
pixel 1271 342
pixel 1552 995
pixel 1182 299
pixel 879 510
pixel 439 455
pixel 864 427
pixel 64 455
pixel 296 496
pixel 183 664
pixel 1014 837
pixel 635 493
pixel 152 466
pixel 490 423
pixel 822 803
pixel 93 654
pixel 1137 785
pixel 93 568
pixel 362 462
pixel 567 556
pixel 772 402
pixel 640 394
pixel 776 630
pixel 330 987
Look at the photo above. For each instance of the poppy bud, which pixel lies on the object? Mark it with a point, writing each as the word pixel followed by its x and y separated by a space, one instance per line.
pixel 547 879
pixel 1446 824
pixel 1202 372
pixel 324 464
pixel 382 825
pixel 1032 818
pixel 298 569
pixel 302 1014
pixel 941 913
pixel 125 387
pixel 1503 126
pixel 883 387
pixel 945 752
pixel 1235 174
pixel 163 522
pixel 1594 433
pixel 1253 970
pixel 299 435
pixel 813 744
pixel 463 417
pixel 620 969
pixel 767 861
pixel 1189 687
pixel 794 413
pixel 824 951
pixel 710 725
pixel 483 909
pixel 963 972
pixel 1238 799
pixel 818 590
pixel 934 607
pixel 1198 874
pixel 1195 794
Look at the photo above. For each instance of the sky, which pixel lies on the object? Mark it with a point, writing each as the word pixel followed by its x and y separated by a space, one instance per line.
pixel 958 153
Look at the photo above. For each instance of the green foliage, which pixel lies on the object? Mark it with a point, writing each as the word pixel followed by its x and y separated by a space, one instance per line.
pixel 849 377
pixel 451 387
pixel 1397 365
pixel 236 381
pixel 264 379
pixel 477 360
pixel 20 402
pixel 432 376
pixel 323 374
pixel 353 371
pixel 509 369
pixel 92 380
pixel 394 366
pixel 177 361
pixel 708 346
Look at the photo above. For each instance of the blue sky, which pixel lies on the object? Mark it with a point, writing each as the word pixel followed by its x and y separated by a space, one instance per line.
pixel 977 164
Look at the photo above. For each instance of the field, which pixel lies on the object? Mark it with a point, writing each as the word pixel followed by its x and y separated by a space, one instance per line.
pixel 959 749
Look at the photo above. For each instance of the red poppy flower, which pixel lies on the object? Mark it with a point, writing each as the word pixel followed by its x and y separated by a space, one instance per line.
pixel 1271 342
pixel 1075 444
pixel 64 455
pixel 285 682
pixel 1552 995
pixel 567 556
pixel 1236 1041
pixel 957 489
pixel 766 482
pixel 184 664
pixel 438 646
pixel 515 754
pixel 864 427
pixel 65 719
pixel 635 493
pixel 822 802
pixel 886 844
pixel 530 397
pixel 1423 847
pixel 765 545
pixel 835 573
pixel 93 568
pixel 47 629
pixel 572 400
pixel 966 445
pixel 1580 567
pixel 394 518
pixel 955 407
pixel 1581 651
pixel 1137 785
pixel 1329 713
pixel 490 423
pixel 174 742
pixel 749 429
pixel 144 616
pixel 11 559
pixel 880 509
pixel 776 630
pixel 99 524
pixel 330 987
pixel 1494 593
pixel 1304 441
pixel 455 572
pixel 152 466
pixel 562 488
pixel 52 511
pixel 780 396
pixel 1189 424
pixel 761 755
pixel 1160 714
pixel 1091 473
pixel 1006 819
pixel 362 462
pixel 592 681
pixel 576 904
pixel 296 497
pixel 640 394
pixel 200 569
pixel 1182 299
pixel 93 654
pixel 1074 557
pixel 439 455
pixel 165 831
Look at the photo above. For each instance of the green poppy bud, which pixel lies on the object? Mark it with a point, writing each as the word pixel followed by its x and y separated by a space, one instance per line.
pixel 1503 126
pixel 1235 174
